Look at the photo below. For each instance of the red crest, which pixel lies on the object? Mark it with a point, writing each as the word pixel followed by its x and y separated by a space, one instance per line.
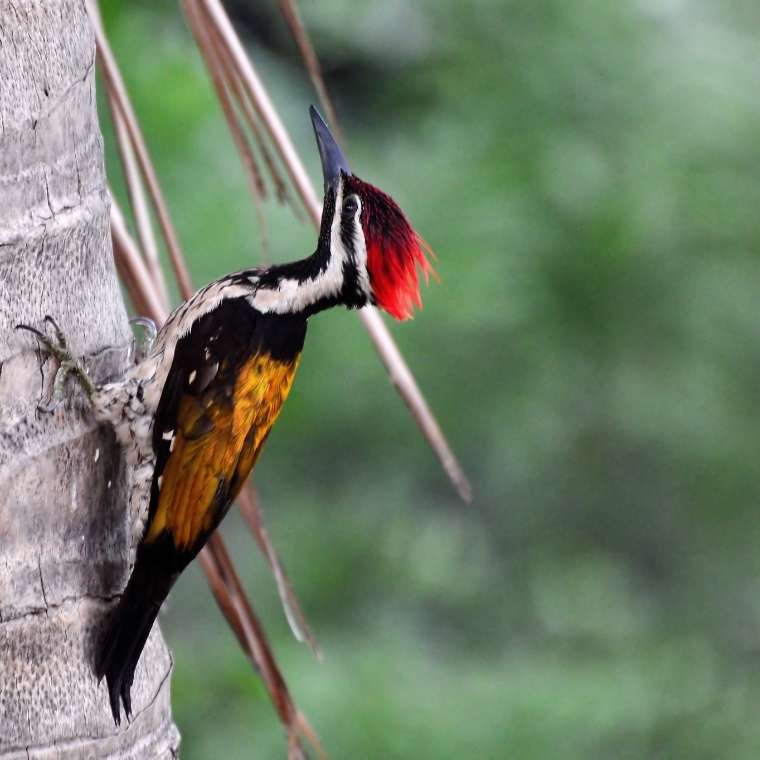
pixel 394 251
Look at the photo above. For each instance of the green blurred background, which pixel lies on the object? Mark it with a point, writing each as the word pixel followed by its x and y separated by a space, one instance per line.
pixel 587 174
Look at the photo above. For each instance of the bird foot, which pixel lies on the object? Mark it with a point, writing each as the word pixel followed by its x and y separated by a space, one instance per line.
pixel 144 343
pixel 67 363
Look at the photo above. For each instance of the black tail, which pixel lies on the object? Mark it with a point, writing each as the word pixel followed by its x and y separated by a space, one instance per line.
pixel 129 627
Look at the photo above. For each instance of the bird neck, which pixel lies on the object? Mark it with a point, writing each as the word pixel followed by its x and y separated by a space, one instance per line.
pixel 304 287
pixel 329 277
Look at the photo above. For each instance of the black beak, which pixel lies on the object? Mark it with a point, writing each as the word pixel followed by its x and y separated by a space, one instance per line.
pixel 333 160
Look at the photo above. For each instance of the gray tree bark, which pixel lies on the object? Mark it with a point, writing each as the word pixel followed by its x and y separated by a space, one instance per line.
pixel 64 538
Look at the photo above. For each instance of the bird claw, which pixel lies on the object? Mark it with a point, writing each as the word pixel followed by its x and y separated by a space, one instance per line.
pixel 50 408
pixel 143 346
pixel 60 337
pixel 59 349
pixel 67 363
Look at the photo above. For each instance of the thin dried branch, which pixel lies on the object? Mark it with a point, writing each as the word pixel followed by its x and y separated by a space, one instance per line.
pixel 235 84
pixel 117 91
pixel 223 599
pixel 403 380
pixel 249 508
pixel 216 560
pixel 401 376
pixel 133 181
pixel 139 280
pixel 292 16
pixel 137 200
pixel 217 71
pixel 263 106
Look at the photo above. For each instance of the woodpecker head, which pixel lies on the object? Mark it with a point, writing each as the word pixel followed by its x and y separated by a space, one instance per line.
pixel 368 236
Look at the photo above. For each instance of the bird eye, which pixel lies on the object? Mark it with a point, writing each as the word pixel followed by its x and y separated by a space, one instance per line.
pixel 350 206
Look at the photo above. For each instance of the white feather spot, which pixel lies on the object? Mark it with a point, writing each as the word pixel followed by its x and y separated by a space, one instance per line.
pixel 171 445
pixel 108 485
pixel 97 455
pixel 168 435
pixel 192 375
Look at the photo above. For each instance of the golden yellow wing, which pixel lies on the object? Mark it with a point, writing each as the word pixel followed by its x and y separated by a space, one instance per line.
pixel 225 390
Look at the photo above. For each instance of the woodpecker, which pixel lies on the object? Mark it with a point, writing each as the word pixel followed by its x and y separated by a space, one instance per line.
pixel 193 414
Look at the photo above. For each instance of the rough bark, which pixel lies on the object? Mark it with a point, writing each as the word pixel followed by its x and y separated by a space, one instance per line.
pixel 63 529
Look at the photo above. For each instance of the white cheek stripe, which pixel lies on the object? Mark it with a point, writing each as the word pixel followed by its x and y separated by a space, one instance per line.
pixel 360 255
pixel 360 247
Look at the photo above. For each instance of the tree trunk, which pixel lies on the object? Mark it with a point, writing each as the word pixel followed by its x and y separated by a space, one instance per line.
pixel 64 538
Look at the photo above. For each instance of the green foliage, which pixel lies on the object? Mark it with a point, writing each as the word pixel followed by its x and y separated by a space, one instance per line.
pixel 587 173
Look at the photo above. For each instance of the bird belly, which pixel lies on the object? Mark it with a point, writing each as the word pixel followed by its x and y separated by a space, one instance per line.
pixel 121 404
